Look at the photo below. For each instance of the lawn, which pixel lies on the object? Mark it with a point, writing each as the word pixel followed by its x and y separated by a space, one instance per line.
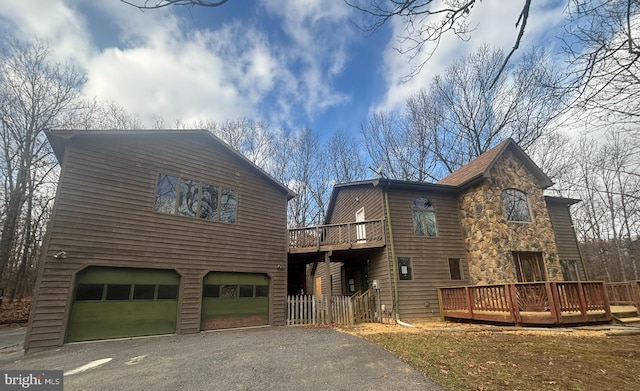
pixel 468 357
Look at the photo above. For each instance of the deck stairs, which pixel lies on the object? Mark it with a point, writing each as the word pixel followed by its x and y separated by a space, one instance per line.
pixel 625 315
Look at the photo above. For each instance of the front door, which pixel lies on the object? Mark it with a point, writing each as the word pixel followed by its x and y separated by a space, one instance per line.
pixel 529 266
pixel 361 229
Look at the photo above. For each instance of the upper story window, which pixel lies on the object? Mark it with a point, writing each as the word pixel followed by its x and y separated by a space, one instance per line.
pixel 516 206
pixel 186 197
pixel 424 218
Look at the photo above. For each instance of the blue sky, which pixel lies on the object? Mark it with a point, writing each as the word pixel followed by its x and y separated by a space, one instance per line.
pixel 293 63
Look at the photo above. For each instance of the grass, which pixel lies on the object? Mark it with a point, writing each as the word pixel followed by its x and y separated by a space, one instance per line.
pixel 518 360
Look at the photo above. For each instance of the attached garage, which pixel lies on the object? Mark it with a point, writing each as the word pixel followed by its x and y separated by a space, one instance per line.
pixel 234 300
pixel 123 302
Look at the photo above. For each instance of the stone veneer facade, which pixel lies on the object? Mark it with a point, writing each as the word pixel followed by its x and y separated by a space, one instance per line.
pixel 490 239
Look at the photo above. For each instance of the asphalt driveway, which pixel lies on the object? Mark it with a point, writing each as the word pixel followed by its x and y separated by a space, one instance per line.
pixel 270 358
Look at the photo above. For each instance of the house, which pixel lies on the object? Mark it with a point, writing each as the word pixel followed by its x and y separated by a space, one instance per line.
pixel 486 223
pixel 157 232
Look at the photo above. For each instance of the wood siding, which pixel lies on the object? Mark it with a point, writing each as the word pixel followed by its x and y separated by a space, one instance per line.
pixel 566 241
pixel 351 199
pixel 104 216
pixel 418 298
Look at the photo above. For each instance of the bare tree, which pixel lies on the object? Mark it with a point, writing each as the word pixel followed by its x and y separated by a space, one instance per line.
pixel 461 115
pixel 344 158
pixel 385 138
pixel 602 42
pixel 608 219
pixel 427 21
pixel 156 4
pixel 35 95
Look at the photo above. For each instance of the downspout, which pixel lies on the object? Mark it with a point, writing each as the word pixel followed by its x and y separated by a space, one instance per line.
pixel 393 254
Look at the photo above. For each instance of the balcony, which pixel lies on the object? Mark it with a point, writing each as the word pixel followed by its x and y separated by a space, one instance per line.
pixel 353 235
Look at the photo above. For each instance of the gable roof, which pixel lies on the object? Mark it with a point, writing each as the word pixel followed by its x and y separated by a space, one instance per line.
pixel 480 168
pixel 60 139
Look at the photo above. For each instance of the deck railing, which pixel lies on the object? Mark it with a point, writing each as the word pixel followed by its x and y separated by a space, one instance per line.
pixel 624 293
pixel 337 236
pixel 540 302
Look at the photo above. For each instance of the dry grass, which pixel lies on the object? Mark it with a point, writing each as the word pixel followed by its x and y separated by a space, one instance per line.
pixel 473 357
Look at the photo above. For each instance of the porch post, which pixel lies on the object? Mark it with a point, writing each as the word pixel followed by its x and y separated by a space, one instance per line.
pixel 327 276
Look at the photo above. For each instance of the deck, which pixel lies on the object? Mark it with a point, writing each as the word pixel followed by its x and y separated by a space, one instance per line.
pixel 549 303
pixel 353 235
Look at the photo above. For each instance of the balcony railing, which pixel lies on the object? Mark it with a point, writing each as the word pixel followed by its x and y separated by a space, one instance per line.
pixel 528 303
pixel 363 234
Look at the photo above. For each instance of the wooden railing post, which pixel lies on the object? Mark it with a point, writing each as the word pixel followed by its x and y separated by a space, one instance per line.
pixel 553 301
pixel 512 302
pixel 440 304
pixel 583 302
pixel 470 303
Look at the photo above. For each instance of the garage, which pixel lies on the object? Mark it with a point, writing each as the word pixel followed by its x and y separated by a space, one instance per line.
pixel 234 300
pixel 113 302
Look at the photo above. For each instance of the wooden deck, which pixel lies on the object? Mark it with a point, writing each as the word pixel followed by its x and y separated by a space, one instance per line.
pixel 550 303
pixel 353 235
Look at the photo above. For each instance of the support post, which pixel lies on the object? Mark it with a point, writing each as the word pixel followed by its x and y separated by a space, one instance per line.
pixel 327 275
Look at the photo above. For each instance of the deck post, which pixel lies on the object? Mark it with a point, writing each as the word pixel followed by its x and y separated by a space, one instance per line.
pixel 554 304
pixel 583 302
pixel 467 293
pixel 513 302
pixel 327 275
pixel 440 304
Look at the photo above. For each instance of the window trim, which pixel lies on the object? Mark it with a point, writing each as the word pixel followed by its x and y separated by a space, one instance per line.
pixel 218 215
pixel 428 210
pixel 525 198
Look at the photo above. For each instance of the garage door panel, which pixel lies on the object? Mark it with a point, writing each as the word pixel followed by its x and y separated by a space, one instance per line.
pixel 105 320
pixel 234 300
pixel 123 302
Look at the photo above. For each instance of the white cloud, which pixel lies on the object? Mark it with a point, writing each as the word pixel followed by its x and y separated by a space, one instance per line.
pixel 52 20
pixel 320 34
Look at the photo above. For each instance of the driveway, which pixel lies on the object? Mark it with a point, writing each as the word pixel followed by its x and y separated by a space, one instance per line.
pixel 270 358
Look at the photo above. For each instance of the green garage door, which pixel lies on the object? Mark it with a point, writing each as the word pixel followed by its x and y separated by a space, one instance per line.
pixel 234 300
pixel 123 302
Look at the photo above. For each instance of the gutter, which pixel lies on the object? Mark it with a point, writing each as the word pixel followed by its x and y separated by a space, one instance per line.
pixel 393 254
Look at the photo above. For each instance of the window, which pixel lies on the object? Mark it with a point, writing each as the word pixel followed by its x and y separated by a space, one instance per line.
pixel 167 292
pixel 424 218
pixel 89 292
pixel 94 292
pixel 404 268
pixel 228 204
pixel 144 292
pixel 516 207
pixel 455 269
pixel 229 291
pixel 211 291
pixel 262 290
pixel 191 198
pixel 209 203
pixel 166 192
pixel 118 292
pixel 246 290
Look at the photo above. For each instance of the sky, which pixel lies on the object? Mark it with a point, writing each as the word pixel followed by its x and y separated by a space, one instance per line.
pixel 293 63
